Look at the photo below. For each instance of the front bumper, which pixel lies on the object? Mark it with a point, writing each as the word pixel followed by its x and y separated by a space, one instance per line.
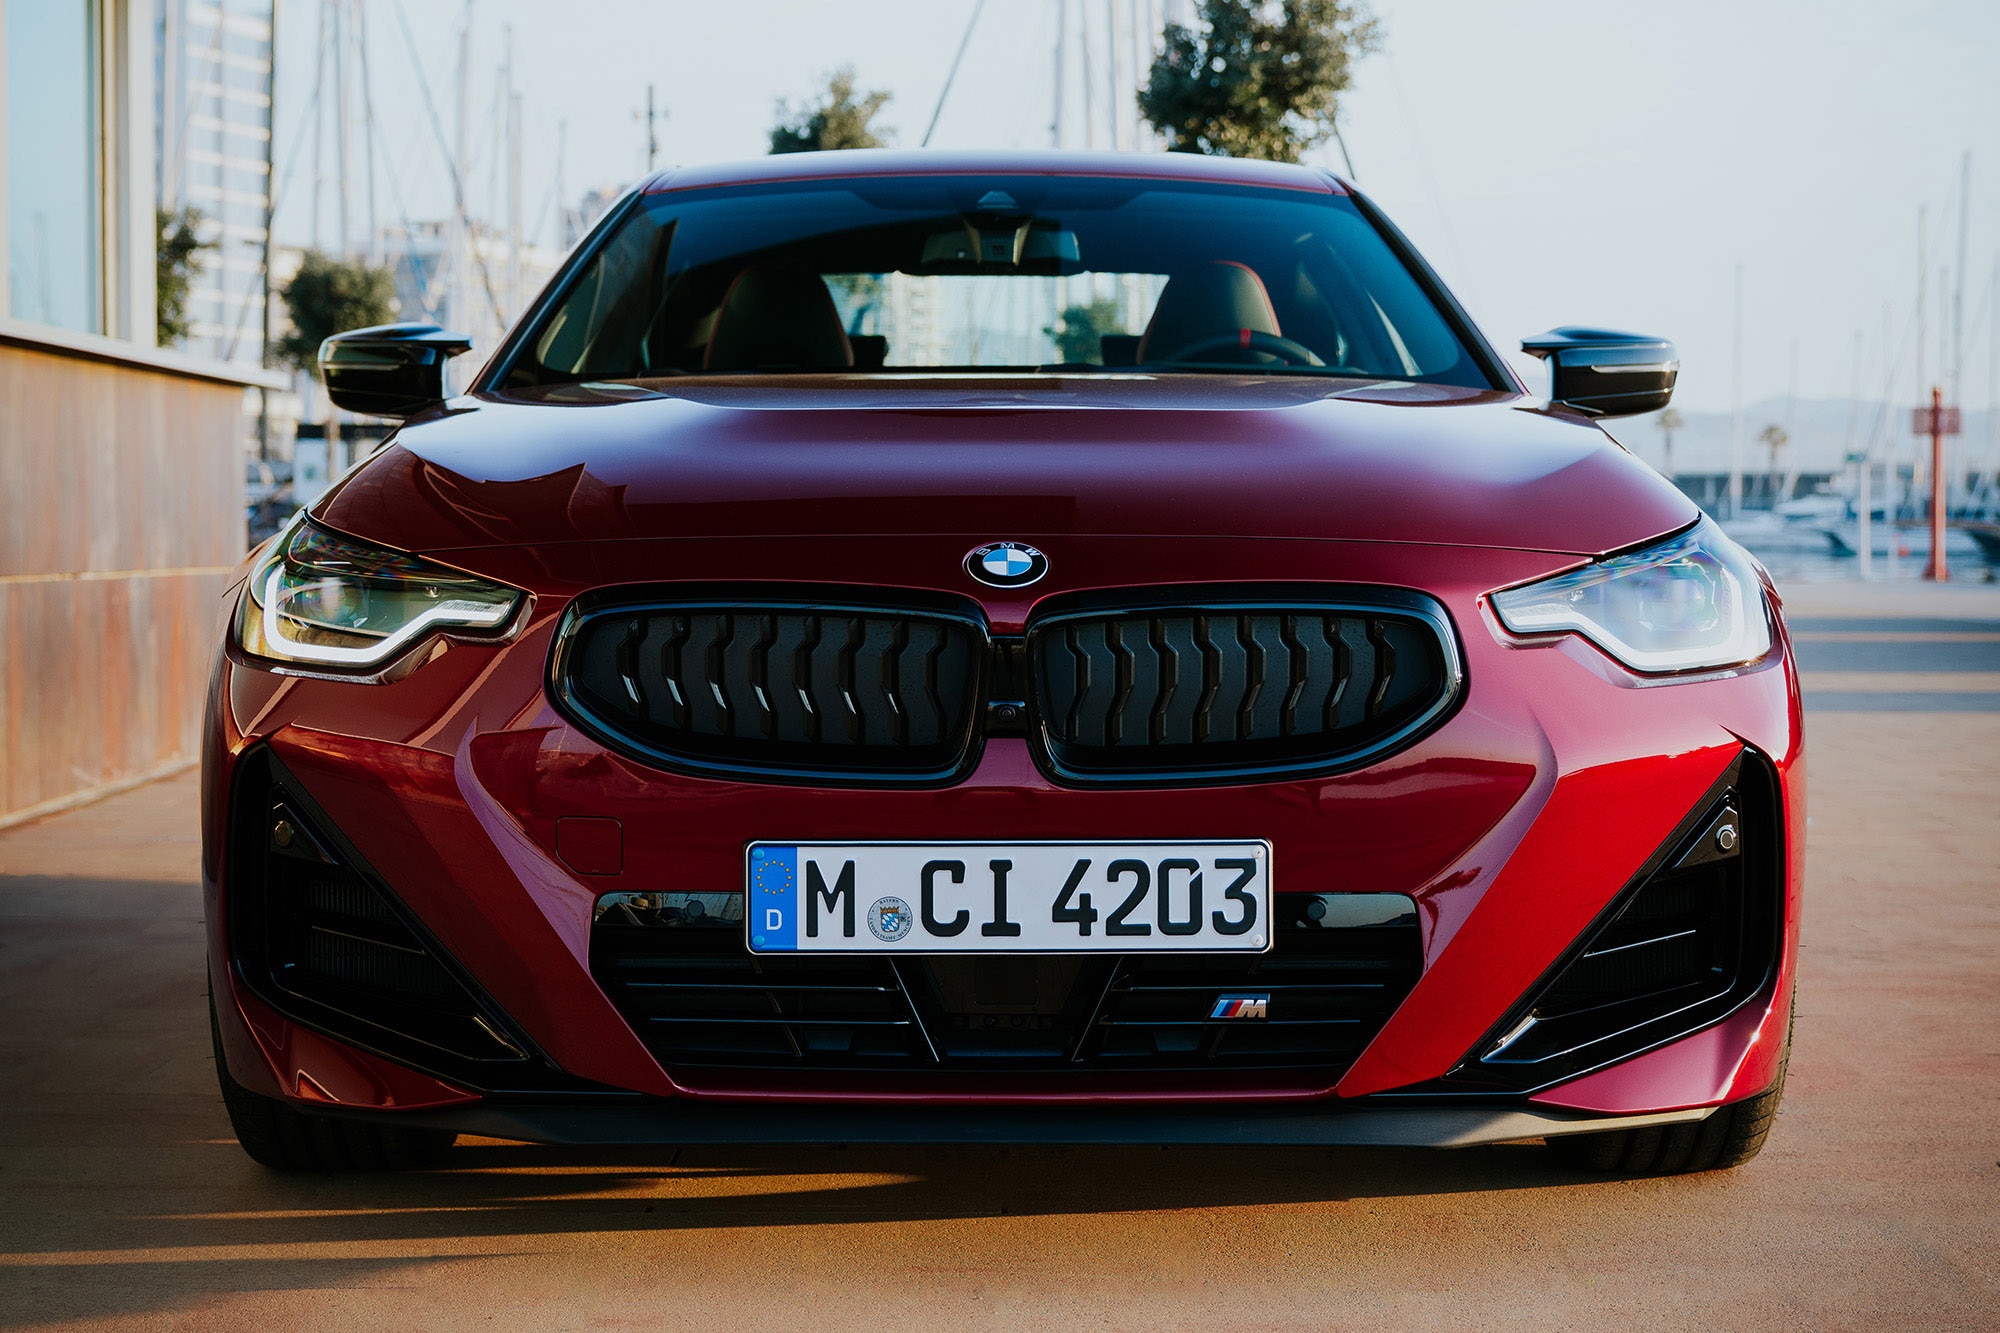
pixel 1512 828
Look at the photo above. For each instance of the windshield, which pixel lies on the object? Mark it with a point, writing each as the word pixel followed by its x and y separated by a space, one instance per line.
pixel 996 272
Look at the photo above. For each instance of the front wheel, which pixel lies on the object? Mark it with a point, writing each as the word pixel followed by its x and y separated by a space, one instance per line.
pixel 1730 1137
pixel 278 1135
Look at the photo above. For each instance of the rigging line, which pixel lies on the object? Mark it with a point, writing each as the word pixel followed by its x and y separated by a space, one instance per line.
pixel 542 217
pixel 496 116
pixel 1430 177
pixel 1340 141
pixel 427 292
pixel 952 73
pixel 457 180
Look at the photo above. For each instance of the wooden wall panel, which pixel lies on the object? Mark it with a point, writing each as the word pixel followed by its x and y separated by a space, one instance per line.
pixel 121 515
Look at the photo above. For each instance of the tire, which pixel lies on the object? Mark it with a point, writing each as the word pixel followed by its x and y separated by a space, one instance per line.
pixel 278 1135
pixel 1728 1138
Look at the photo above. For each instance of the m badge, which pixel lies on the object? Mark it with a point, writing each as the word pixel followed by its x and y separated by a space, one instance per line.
pixel 1242 1006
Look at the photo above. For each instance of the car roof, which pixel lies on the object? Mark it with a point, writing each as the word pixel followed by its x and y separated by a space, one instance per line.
pixel 780 167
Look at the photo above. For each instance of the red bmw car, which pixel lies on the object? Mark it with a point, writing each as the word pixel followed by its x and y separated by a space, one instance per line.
pixel 1039 648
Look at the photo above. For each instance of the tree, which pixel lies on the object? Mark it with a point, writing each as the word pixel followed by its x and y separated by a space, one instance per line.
pixel 1256 78
pixel 837 118
pixel 1774 437
pixel 177 257
pixel 1080 331
pixel 328 296
pixel 1669 421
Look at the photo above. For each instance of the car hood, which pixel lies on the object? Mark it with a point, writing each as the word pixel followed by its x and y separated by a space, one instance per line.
pixel 1013 458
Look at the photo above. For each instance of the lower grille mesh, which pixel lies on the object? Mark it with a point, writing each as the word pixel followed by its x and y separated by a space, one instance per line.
pixel 697 997
pixel 704 999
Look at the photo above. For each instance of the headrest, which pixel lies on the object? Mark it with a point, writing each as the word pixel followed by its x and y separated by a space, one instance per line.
pixel 778 317
pixel 1202 304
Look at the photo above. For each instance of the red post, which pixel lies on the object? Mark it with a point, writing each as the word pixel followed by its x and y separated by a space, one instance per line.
pixel 1936 570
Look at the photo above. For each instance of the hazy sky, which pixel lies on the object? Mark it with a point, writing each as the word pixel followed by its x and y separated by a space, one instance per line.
pixel 1565 161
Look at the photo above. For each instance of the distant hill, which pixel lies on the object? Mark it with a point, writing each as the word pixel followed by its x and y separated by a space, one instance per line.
pixel 1823 430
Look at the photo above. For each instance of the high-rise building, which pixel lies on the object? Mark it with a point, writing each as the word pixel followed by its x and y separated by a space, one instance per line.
pixel 213 116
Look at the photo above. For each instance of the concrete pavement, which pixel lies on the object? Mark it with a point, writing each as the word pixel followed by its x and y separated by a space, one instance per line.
pixel 124 1203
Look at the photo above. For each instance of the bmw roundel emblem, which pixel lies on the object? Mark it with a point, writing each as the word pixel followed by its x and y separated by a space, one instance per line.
pixel 1006 564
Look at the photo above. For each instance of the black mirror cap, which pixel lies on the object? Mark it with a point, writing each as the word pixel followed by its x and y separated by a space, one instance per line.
pixel 389 370
pixel 1606 373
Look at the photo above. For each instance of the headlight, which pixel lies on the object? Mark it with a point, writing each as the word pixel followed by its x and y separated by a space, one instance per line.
pixel 1691 602
pixel 325 600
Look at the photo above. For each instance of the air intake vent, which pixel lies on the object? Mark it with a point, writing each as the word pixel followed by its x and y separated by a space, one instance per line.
pixel 778 690
pixel 1680 950
pixel 318 939
pixel 1189 689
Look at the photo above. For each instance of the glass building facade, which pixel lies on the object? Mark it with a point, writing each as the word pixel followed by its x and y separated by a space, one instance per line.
pixel 213 115
pixel 55 217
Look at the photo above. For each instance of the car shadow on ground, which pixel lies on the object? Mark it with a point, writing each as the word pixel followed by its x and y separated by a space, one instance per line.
pixel 245 1229
pixel 494 1189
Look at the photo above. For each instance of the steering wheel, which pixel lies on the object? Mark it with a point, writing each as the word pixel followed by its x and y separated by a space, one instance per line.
pixel 1242 341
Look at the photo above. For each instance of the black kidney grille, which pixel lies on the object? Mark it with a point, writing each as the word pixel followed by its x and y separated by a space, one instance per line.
pixel 864 693
pixel 1186 687
pixel 1258 690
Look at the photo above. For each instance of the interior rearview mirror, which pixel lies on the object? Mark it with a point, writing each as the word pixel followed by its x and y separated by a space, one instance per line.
pixel 1605 373
pixel 389 370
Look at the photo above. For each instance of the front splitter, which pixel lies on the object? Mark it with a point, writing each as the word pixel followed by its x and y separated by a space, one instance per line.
pixel 734 1122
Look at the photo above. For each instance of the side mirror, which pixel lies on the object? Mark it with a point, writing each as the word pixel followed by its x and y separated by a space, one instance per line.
pixel 390 370
pixel 1604 373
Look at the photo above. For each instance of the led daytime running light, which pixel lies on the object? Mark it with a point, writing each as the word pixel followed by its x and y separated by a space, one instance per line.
pixel 465 615
pixel 1693 602
pixel 327 600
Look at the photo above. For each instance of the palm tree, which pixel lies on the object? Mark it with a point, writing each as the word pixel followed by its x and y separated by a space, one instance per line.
pixel 1774 438
pixel 1669 421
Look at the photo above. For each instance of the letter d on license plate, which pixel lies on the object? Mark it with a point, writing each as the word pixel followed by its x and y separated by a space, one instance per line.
pixel 1009 897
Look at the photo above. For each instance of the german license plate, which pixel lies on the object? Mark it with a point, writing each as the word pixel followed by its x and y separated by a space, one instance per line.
pixel 1009 897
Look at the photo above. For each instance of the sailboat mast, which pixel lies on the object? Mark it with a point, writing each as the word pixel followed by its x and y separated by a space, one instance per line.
pixel 1957 382
pixel 513 110
pixel 374 245
pixel 459 256
pixel 341 156
pixel 1864 466
pixel 1908 494
pixel 1736 404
